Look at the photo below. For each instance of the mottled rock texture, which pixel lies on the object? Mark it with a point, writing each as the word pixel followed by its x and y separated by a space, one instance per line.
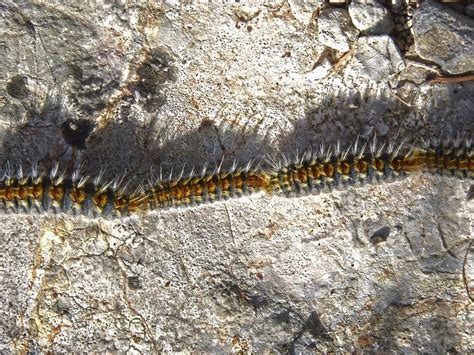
pixel 444 36
pixel 131 86
pixel 370 17
pixel 336 30
pixel 376 58
pixel 303 10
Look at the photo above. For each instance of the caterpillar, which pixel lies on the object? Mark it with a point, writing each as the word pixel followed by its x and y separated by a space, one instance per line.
pixel 59 193
pixel 311 172
pixel 197 189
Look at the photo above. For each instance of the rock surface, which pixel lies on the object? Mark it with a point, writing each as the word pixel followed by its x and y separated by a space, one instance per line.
pixel 303 9
pixel 376 58
pixel 335 29
pixel 470 10
pixel 130 86
pixel 444 37
pixel 370 17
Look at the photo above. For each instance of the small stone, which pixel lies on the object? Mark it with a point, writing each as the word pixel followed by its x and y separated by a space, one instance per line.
pixel 246 13
pixel 370 17
pixel 335 29
pixel 376 58
pixel 302 9
pixel 444 36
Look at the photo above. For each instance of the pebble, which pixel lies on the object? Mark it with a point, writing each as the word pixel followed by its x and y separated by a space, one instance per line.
pixel 370 17
pixel 444 36
pixel 335 29
pixel 302 10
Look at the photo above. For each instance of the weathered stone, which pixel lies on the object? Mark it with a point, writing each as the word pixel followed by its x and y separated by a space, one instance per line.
pixel 303 9
pixel 162 84
pixel 376 58
pixel 444 37
pixel 370 17
pixel 335 29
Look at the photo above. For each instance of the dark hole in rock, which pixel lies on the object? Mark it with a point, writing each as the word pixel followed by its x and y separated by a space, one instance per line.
pixel 17 87
pixel 314 325
pixel 134 282
pixel 470 193
pixel 76 72
pixel 380 235
pixel 156 71
pixel 76 132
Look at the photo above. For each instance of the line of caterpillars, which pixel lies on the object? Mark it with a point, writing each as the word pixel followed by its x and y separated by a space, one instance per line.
pixel 310 173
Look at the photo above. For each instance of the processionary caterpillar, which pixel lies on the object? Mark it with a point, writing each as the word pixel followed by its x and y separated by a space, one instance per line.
pixel 310 173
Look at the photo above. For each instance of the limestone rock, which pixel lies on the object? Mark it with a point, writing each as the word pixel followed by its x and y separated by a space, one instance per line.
pixel 376 58
pixel 444 37
pixel 370 17
pixel 372 268
pixel 302 9
pixel 335 29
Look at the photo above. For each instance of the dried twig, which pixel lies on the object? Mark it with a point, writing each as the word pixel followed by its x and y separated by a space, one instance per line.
pixel 341 61
pixel 451 79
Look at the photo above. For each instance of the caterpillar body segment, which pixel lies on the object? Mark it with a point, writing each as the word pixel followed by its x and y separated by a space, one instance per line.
pixel 332 169
pixel 61 194
pixel 196 190
pixel 452 158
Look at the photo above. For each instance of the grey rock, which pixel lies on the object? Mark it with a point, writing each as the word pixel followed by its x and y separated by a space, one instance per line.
pixel 179 83
pixel 470 10
pixel 370 17
pixel 335 29
pixel 303 9
pixel 376 58
pixel 444 37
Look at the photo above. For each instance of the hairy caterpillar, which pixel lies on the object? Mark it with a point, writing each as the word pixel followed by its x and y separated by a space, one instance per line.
pixel 310 173
pixel 68 194
pixel 197 189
